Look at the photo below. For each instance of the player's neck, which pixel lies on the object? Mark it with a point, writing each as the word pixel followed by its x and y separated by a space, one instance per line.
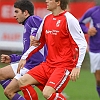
pixel 58 11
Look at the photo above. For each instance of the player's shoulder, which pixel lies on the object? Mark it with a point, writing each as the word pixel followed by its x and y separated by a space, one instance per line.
pixel 93 9
pixel 70 16
pixel 34 18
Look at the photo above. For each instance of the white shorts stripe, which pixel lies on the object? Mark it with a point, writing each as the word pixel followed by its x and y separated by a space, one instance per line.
pixel 64 79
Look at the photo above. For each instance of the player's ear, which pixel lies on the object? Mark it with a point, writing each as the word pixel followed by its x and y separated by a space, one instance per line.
pixel 58 2
pixel 26 13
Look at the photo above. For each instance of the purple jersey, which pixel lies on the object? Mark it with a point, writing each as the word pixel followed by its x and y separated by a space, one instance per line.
pixel 92 16
pixel 31 25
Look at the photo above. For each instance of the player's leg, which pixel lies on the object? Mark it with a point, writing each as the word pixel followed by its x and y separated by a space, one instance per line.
pixel 55 85
pixel 6 73
pixel 25 83
pixel 95 68
pixel 10 71
pixel 97 76
pixel 65 94
pixel 50 94
pixel 11 91
pixel 34 76
pixel 4 83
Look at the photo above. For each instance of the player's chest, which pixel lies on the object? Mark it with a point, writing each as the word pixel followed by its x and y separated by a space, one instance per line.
pixel 55 27
pixel 55 30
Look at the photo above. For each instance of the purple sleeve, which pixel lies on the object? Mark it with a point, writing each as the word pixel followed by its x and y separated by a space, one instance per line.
pixel 37 21
pixel 15 57
pixel 86 18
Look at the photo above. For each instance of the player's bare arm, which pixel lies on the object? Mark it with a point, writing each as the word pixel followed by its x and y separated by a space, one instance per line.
pixel 5 58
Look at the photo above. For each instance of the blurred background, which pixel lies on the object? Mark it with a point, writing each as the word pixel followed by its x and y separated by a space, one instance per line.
pixel 11 31
pixel 11 42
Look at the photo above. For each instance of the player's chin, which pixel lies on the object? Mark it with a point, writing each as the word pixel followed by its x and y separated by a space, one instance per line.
pixel 20 22
pixel 48 9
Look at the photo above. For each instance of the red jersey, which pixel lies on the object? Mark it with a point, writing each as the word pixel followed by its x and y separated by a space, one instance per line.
pixel 64 38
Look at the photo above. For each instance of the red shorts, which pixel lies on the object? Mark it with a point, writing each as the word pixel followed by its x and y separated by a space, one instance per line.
pixel 55 77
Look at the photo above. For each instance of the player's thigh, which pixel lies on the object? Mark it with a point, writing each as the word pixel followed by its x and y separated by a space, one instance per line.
pixel 58 79
pixel 27 79
pixel 6 72
pixel 13 86
pixel 47 91
pixel 94 61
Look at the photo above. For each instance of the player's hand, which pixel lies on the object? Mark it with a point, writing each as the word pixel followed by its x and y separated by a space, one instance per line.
pixel 75 74
pixel 33 41
pixel 92 31
pixel 21 64
pixel 5 58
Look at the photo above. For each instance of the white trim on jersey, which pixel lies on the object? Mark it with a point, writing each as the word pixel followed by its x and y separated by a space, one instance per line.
pixel 77 35
pixel 89 19
pixel 25 55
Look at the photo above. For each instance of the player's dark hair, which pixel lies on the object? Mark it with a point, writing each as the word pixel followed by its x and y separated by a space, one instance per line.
pixel 25 5
pixel 63 4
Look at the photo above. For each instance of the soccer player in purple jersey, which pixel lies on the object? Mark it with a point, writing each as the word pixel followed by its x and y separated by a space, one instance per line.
pixel 92 16
pixel 23 13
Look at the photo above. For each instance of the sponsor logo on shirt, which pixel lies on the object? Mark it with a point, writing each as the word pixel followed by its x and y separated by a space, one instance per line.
pixel 54 32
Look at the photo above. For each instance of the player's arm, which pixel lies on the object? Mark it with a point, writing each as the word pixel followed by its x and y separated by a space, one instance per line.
pixel 40 37
pixel 78 36
pixel 10 58
pixel 5 58
pixel 35 23
pixel 92 31
pixel 15 57
pixel 33 49
pixel 87 19
pixel 38 42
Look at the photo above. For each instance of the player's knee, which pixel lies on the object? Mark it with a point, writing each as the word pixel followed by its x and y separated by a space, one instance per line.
pixel 46 94
pixel 21 82
pixel 7 92
pixel 48 91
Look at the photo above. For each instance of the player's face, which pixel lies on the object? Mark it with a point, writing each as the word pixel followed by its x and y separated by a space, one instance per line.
pixel 51 5
pixel 19 15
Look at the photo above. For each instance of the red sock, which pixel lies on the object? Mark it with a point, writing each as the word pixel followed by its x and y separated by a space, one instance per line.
pixel 56 96
pixel 29 93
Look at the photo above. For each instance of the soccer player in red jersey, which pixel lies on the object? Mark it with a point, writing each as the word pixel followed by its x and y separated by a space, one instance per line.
pixel 66 45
